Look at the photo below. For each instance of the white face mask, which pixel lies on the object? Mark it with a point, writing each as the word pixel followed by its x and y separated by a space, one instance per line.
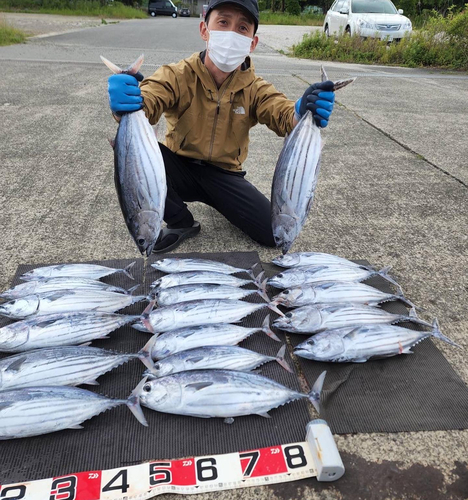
pixel 228 49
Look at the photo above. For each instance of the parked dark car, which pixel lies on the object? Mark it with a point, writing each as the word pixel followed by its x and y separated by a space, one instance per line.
pixel 162 8
pixel 184 12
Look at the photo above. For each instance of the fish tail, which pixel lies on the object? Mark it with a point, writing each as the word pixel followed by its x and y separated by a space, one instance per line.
pixel 280 359
pixel 323 74
pixel 133 403
pixel 316 392
pixel 131 290
pixel 439 335
pixel 113 67
pixel 406 301
pixel 262 291
pixel 384 274
pixel 266 329
pixel 415 319
pixel 250 271
pixel 258 280
pixel 127 272
pixel 145 355
pixel 134 68
pixel 273 307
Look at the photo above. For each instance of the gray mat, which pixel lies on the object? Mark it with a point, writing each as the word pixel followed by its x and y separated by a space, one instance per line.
pixel 116 439
pixel 419 392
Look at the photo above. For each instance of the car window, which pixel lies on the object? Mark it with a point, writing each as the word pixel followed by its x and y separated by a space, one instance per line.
pixel 373 6
pixel 338 5
pixel 168 4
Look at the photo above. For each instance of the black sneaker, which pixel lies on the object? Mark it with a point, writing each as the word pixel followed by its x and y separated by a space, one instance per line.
pixel 169 239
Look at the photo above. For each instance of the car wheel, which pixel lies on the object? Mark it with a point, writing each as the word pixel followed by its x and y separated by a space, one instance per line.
pixel 153 14
pixel 174 15
pixel 348 31
pixel 327 31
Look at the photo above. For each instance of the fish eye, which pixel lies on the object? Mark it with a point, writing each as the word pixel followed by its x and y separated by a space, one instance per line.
pixel 280 275
pixel 147 387
pixel 141 241
pixel 157 366
pixel 286 292
pixel 288 315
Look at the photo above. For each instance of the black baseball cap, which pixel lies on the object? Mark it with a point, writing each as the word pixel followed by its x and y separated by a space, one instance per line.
pixel 251 6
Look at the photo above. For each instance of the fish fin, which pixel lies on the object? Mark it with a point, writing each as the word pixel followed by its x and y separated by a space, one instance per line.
pixel 131 290
pixel 195 359
pixel 415 319
pixel 406 301
pixel 323 74
pixel 46 323
pixel 59 294
pixel 264 415
pixel 384 274
pixel 361 360
pixel 135 67
pixel 229 420
pixel 91 382
pixel 315 393
pixel 343 83
pixel 262 290
pixel 145 353
pixel 4 405
pixel 75 427
pixel 273 307
pixel 267 330
pixel 16 365
pixel 352 334
pixel 257 371
pixel 258 280
pixel 127 272
pixel 250 271
pixel 439 335
pixel 86 344
pixel 113 67
pixel 280 359
pixel 140 327
pixel 198 386
pixel 133 403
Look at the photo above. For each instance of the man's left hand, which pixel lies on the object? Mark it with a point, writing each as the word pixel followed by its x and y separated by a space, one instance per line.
pixel 319 98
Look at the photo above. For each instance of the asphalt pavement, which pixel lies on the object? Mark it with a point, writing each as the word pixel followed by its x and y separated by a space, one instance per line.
pixel 392 190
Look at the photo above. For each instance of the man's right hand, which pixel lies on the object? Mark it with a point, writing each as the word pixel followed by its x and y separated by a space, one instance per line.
pixel 124 93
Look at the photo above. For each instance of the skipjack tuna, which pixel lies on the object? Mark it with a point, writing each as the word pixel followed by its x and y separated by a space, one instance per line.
pixel 40 410
pixel 60 366
pixel 140 177
pixel 311 259
pixel 215 357
pixel 54 284
pixel 198 312
pixel 185 293
pixel 295 178
pixel 299 276
pixel 360 344
pixel 91 271
pixel 175 265
pixel 315 318
pixel 60 329
pixel 206 277
pixel 329 293
pixel 183 339
pixel 219 393
pixel 63 301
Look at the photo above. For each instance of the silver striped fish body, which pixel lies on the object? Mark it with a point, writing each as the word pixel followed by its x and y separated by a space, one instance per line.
pixel 315 318
pixel 56 366
pixel 200 312
pixel 91 271
pixel 49 285
pixel 215 393
pixel 140 179
pixel 360 344
pixel 311 259
pixel 35 411
pixel 178 265
pixel 209 358
pixel 62 301
pixel 183 339
pixel 332 293
pixel 185 293
pixel 294 181
pixel 199 277
pixel 59 330
pixel 299 276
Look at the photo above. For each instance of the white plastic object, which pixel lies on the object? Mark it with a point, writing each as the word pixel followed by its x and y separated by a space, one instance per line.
pixel 324 451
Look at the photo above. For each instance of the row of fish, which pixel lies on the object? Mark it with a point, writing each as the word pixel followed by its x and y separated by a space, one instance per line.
pixel 329 300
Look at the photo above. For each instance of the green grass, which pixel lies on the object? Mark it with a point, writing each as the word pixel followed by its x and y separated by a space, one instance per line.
pixel 73 8
pixel 443 43
pixel 10 35
pixel 267 17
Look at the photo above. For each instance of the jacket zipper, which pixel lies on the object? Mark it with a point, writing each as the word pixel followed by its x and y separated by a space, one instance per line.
pixel 217 115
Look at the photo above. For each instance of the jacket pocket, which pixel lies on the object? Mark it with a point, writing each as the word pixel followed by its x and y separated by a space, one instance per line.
pixel 240 126
pixel 178 132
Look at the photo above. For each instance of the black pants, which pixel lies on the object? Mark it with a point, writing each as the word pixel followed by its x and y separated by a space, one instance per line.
pixel 228 192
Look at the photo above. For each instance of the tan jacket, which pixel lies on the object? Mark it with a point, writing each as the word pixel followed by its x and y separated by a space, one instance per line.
pixel 210 124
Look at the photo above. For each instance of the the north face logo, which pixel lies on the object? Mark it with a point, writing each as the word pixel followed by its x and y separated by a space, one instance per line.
pixel 239 111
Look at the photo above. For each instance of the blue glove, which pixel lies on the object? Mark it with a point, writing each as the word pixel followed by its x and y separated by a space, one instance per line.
pixel 124 93
pixel 318 98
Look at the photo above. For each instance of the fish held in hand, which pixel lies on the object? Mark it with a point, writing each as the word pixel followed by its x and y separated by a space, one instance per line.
pixel 315 318
pixel 359 344
pixel 219 393
pixel 140 176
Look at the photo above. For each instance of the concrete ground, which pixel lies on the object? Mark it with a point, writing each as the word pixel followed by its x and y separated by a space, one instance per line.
pixel 392 190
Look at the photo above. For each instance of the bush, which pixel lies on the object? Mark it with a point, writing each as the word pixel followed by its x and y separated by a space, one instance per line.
pixel 293 7
pixel 443 44
pixel 10 35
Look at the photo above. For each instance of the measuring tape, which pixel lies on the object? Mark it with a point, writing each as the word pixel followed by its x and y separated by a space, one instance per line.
pixel 317 456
